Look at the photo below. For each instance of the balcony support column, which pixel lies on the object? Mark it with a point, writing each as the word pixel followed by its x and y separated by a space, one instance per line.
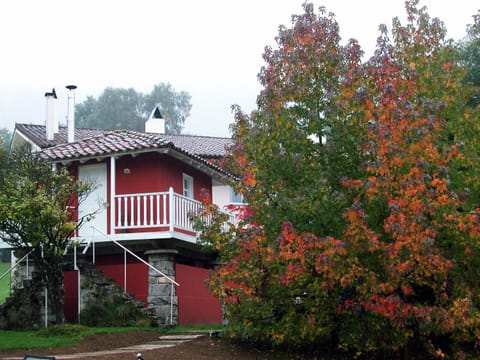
pixel 162 298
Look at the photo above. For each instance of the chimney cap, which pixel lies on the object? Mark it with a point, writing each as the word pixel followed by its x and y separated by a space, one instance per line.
pixel 53 93
pixel 71 87
pixel 156 114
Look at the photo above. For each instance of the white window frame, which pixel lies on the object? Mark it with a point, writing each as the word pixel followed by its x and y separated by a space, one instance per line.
pixel 187 182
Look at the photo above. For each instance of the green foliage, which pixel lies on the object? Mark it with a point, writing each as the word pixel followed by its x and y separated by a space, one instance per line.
pixel 309 82
pixel 362 232
pixel 118 108
pixel 38 214
pixel 112 311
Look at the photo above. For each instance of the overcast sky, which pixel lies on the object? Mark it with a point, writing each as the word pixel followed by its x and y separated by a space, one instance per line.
pixel 212 48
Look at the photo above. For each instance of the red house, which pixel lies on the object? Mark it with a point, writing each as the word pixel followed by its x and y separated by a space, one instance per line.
pixel 142 237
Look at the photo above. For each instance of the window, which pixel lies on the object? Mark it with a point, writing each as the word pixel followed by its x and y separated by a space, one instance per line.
pixel 235 198
pixel 188 186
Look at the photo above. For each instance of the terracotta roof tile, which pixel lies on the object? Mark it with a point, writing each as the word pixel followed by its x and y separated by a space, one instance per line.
pixel 109 142
pixel 204 146
pixel 119 142
pixel 37 133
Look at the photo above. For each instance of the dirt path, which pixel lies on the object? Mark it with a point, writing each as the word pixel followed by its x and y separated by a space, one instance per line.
pixel 153 346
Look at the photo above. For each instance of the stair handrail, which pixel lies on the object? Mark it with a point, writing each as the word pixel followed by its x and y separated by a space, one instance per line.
pixel 91 240
pixel 15 265
pixel 173 282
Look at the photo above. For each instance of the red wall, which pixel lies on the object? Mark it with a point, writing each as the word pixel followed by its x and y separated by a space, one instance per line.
pixel 137 273
pixel 196 306
pixel 153 172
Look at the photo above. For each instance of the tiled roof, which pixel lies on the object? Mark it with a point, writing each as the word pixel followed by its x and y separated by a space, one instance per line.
pixel 37 134
pixel 109 142
pixel 205 146
pixel 128 142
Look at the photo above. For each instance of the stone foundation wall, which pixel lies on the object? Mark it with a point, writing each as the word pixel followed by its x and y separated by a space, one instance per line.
pixel 24 309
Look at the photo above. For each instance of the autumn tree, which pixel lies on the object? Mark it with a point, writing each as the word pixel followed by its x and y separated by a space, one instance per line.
pixel 413 284
pixel 294 169
pixel 361 233
pixel 118 108
pixel 38 216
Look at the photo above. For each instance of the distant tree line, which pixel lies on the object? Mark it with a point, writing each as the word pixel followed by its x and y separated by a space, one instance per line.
pixel 119 108
pixel 5 137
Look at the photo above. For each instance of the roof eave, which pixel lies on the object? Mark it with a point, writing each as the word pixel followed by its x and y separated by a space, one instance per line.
pixel 200 164
pixel 23 137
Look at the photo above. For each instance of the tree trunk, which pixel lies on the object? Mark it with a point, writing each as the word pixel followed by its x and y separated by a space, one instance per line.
pixel 56 296
pixel 406 355
pixel 52 273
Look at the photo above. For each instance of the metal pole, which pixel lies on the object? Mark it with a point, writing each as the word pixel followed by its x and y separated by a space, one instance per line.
pixel 79 295
pixel 46 307
pixel 171 304
pixel 71 113
pixel 125 270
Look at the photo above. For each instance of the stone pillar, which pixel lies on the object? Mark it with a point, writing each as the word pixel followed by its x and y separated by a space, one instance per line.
pixel 162 299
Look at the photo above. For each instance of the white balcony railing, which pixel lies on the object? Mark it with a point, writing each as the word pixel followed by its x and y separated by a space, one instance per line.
pixel 158 211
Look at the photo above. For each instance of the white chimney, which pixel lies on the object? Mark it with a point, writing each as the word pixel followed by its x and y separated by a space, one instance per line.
pixel 71 113
pixel 156 122
pixel 51 115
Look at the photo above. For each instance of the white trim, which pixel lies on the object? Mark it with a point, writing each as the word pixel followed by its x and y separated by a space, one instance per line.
pixel 188 179
pixel 112 194
pixel 158 235
pixel 34 146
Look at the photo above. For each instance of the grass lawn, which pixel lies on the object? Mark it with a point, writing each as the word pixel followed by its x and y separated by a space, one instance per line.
pixel 5 282
pixel 64 335
pixel 53 336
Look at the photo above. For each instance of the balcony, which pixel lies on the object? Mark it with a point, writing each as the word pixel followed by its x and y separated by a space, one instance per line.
pixel 155 215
